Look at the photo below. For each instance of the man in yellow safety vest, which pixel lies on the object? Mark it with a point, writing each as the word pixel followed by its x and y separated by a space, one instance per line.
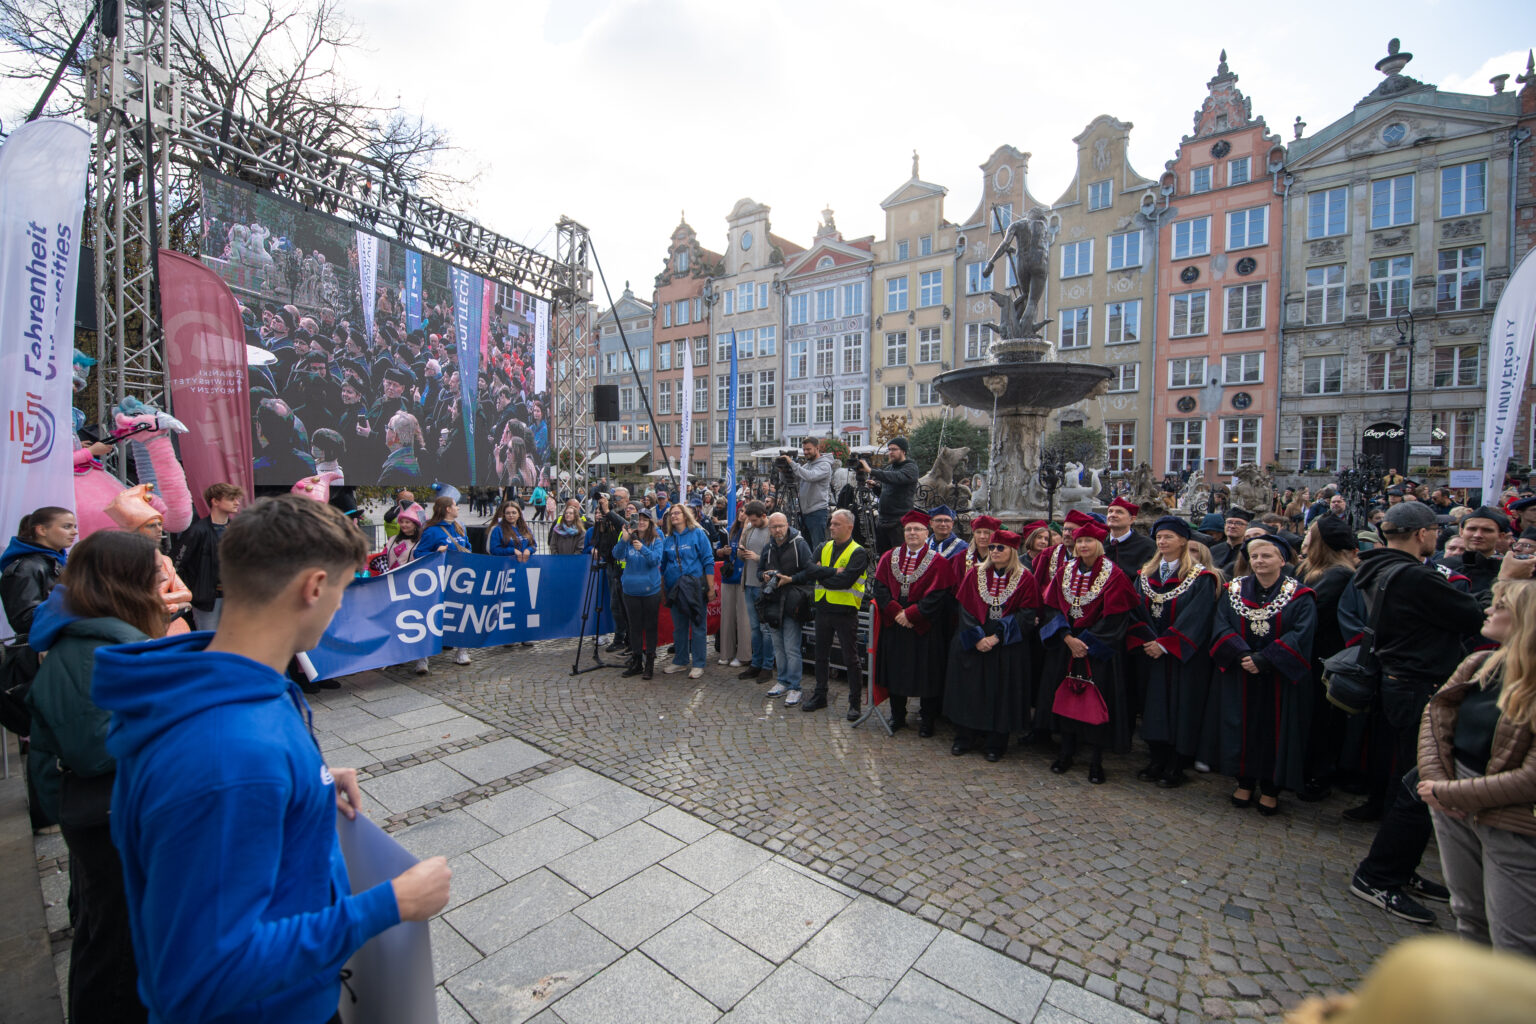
pixel 839 574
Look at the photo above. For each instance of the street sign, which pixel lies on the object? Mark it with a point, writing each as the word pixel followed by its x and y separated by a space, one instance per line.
pixel 1426 449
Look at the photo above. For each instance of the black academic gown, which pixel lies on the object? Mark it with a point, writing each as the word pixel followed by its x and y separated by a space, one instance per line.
pixel 1130 554
pixel 1175 688
pixel 1265 716
pixel 988 692
pixel 910 660
pixel 1101 626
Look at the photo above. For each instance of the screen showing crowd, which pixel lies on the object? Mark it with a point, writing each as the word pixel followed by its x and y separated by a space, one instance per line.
pixel 435 390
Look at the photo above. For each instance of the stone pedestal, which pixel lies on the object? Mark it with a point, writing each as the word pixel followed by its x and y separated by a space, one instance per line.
pixel 1016 437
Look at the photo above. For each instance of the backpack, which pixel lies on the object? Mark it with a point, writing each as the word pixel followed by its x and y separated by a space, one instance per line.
pixel 1352 677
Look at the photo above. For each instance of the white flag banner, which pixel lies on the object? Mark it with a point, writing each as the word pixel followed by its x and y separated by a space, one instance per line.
pixel 685 440
pixel 540 346
pixel 42 199
pixel 1509 361
pixel 368 278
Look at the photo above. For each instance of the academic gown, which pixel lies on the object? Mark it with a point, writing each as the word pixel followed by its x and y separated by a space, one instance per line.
pixel 1265 716
pixel 1048 565
pixel 1175 688
pixel 1130 554
pixel 1101 625
pixel 989 692
pixel 910 660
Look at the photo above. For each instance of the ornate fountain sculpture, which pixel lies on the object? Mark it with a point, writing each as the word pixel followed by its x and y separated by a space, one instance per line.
pixel 1022 382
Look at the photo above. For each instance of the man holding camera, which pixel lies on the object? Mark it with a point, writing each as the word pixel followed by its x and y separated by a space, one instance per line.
pixel 898 491
pixel 786 566
pixel 607 523
pixel 814 475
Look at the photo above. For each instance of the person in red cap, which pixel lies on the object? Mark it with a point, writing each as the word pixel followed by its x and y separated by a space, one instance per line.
pixel 1169 654
pixel 1124 546
pixel 1092 601
pixel 911 592
pixel 987 693
pixel 982 528
pixel 1046 568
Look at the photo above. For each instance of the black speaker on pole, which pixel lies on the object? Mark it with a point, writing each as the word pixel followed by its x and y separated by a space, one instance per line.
pixel 605 403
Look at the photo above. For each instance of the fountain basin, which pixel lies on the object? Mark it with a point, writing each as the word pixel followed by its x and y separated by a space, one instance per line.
pixel 1031 385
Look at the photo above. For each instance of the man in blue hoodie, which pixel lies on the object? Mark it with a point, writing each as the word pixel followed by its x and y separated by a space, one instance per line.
pixel 224 810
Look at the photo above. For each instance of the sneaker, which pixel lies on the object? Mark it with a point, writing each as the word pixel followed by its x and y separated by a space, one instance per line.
pixel 1394 901
pixel 792 699
pixel 696 673
pixel 722 661
pixel 461 658
pixel 735 663
pixel 420 666
pixel 1425 889
pixel 779 690
pixel 1202 768
pixel 674 669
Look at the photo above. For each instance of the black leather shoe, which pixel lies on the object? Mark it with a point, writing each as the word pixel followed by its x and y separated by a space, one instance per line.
pixel 994 756
pixel 328 684
pixel 925 729
pixel 1241 803
pixel 750 672
pixel 1365 812
pixel 959 747
pixel 815 702
pixel 1312 792
pixel 1171 780
pixel 1269 810
pixel 1096 774
pixel 615 647
pixel 1151 773
pixel 853 713
pixel 1061 765
pixel 898 724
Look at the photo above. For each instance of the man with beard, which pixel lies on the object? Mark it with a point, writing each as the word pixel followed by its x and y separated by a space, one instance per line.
pixel 1234 529
pixel 898 487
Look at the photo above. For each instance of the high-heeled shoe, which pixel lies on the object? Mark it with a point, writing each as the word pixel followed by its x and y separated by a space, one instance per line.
pixel 1269 810
pixel 1096 774
pixel 1242 803
pixel 1062 765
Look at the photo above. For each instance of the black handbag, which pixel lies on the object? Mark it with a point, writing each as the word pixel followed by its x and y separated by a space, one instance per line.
pixel 18 667
pixel 1352 677
pixel 85 801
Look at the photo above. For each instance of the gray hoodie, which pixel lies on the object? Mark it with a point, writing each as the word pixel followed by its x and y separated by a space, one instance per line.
pixel 815 483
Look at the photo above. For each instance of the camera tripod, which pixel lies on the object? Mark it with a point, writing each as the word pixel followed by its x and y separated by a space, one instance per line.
pixel 594 599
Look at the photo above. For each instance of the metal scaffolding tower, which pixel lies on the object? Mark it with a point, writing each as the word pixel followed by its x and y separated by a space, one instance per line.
pixel 572 414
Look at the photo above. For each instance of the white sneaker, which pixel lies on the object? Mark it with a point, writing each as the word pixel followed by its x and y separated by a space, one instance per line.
pixel 674 669
pixel 792 699
pixel 462 657
pixel 420 665
pixel 779 690
pixel 1202 767
pixel 695 673
pixel 722 661
pixel 737 663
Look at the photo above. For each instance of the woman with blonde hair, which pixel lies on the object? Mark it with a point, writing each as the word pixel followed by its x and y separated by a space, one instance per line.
pixel 688 571
pixel 1477 773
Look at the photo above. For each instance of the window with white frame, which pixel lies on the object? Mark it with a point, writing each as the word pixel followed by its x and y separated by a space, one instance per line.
pixel 798 357
pixel 1239 170
pixel 1122 322
pixel 1386 370
pixel 664 434
pixel 1248 228
pixel 1322 375
pixel 853 405
pixel 826 304
pixel 613 431
pixel 626 432
pixel 767 428
pixel 721 435
pixel 896 295
pixel 745 293
pixel 1186 372
pixel 853 299
pixel 976 282
pixel 1002 216
pixel 1074 328
pixel 728 301
pixel 1125 377
pixel 930 349
pixel 1392 201
pixel 680 318
pixel 762 296
pixel 723 347
pixel 1464 189
pixel 767 341
pixel 1125 250
pixel 823 407
pixel 1459 279
pixel 663 356
pixel 643 360
pixel 700 432
pixel 896 348
pixel 978 341
pixel 1120 445
pixel 746 381
pixel 1077 258
pixel 799 409
pixel 799 308
pixel 1191 237
pixel 701 351
pixel 1245 307
pixel 925 245
pixel 826 356
pixel 1239 442
pixel 663 397
pixel 745 339
pixel 1099 195
pixel 1242 368
pixel 626 399
pixel 1200 180
pixel 903 250
pixel 1187 314
pixel 666 314
pixel 1328 212
pixel 931 290
pixel 927 393
pixel 853 353
pixel 722 390
pixel 1325 294
pixel 682 261
pixel 895 396
pixel 1186 446
pixel 681 348
pixel 1389 284
pixel 1456 433
pixel 767 388
pixel 701 394
pixel 1458 366
pixel 1319 443
pixel 825 263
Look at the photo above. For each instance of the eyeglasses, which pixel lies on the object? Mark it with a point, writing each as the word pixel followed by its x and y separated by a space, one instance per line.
pixel 999 547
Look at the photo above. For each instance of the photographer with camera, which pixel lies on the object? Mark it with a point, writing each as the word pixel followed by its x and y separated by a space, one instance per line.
pixel 608 521
pixel 814 476
pixel 785 604
pixel 898 491
pixel 638 550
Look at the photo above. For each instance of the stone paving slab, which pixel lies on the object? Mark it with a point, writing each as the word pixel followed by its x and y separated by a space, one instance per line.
pixel 708 960
pixel 415 786
pixel 919 999
pixel 610 811
pixel 527 976
pixel 531 848
pixel 515 809
pixel 615 857
pixel 506 914
pixel 446 835
pixel 772 910
pixel 867 948
pixel 793 995
pixel 495 760
pixel 639 907
pixel 988 978
pixel 635 991
pixel 717 860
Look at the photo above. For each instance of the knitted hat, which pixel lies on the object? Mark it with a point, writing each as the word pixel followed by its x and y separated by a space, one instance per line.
pixel 899 442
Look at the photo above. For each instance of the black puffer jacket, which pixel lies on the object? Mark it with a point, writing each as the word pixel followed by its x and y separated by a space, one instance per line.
pixel 898 489
pixel 27 575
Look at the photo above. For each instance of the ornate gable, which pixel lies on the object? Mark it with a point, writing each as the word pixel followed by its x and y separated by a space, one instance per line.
pixel 1225 108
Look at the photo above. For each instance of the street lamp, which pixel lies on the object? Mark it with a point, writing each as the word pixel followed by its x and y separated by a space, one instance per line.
pixel 1405 337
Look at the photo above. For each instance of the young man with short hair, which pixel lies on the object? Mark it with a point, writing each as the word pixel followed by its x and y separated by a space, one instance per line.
pixel 197 553
pixel 224 811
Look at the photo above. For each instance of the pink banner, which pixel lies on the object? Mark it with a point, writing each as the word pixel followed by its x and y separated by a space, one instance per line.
pixel 206 362
pixel 487 310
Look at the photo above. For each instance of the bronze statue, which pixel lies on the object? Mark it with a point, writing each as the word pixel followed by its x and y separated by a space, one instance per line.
pixel 1027 244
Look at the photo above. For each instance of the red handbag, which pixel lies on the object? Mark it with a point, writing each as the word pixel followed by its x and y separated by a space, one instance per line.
pixel 1078 699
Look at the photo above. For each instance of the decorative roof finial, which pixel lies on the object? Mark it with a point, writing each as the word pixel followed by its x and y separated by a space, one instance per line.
pixel 1300 126
pixel 1395 60
pixel 1530 69
pixel 1497 81
pixel 1221 65
pixel 914 165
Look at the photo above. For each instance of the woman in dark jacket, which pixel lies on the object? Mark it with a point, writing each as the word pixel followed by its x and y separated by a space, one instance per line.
pixel 109 594
pixel 1328 559
pixel 568 535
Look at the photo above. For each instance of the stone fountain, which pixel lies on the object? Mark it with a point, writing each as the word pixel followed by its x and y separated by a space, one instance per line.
pixel 1022 383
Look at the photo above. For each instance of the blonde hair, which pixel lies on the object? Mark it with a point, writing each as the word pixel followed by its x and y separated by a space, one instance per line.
pixel 1014 566
pixel 1320 557
pixel 689 519
pixel 1516 657
pixel 1202 554
pixel 1186 561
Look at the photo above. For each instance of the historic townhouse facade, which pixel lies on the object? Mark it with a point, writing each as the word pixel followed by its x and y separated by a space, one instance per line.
pixel 826 297
pixel 681 331
pixel 1215 393
pixel 1102 289
pixel 745 298
pixel 627 443
pixel 1397 248
pixel 914 281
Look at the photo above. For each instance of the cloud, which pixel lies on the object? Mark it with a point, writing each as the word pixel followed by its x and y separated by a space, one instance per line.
pixel 1511 64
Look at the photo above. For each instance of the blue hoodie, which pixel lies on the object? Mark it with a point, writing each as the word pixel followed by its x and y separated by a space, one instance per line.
pixel 224 815
pixel 642 568
pixel 18 547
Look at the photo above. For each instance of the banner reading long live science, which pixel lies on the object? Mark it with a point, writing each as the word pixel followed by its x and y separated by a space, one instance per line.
pixel 451 599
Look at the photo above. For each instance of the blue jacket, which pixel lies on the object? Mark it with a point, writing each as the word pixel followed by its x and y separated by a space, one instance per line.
pixel 224 814
pixel 506 542
pixel 642 569
pixel 434 537
pixel 686 554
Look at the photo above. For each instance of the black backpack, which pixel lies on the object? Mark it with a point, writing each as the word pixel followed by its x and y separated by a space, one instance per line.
pixel 1352 677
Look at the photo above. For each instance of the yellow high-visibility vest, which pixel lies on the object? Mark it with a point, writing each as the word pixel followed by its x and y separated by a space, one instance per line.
pixel 853 597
